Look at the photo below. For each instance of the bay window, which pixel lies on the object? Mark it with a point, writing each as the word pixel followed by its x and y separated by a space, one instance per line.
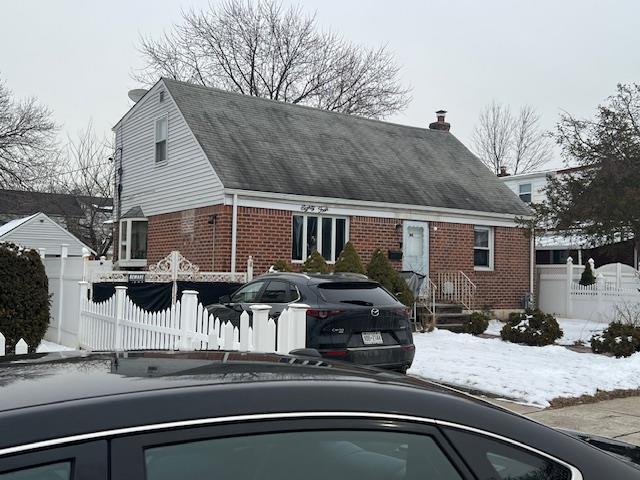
pixel 327 235
pixel 133 242
pixel 483 248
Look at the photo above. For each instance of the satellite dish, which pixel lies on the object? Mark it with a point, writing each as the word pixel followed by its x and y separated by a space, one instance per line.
pixel 137 93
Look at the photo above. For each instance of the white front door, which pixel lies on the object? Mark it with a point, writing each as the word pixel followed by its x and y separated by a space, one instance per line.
pixel 415 247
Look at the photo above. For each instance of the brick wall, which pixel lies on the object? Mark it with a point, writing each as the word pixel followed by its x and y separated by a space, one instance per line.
pixel 451 249
pixel 368 234
pixel 190 232
pixel 266 235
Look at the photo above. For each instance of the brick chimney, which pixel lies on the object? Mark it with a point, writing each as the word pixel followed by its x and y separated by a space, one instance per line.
pixel 440 124
pixel 503 171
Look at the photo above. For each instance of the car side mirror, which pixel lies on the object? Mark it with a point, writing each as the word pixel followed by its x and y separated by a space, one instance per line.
pixel 225 299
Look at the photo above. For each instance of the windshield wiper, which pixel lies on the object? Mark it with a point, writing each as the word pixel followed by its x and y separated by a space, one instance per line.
pixel 358 302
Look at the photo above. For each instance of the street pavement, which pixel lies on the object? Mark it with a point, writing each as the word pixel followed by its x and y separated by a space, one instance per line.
pixel 618 418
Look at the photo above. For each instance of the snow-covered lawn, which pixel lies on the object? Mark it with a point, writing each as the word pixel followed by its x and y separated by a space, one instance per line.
pixel 533 375
pixel 46 347
pixel 574 330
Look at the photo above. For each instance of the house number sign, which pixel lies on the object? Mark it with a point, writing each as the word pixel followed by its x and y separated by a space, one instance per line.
pixel 314 208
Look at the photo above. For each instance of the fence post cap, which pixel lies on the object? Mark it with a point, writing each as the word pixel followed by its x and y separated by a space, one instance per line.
pixel 190 292
pixel 260 308
pixel 569 260
pixel 84 282
pixel 300 306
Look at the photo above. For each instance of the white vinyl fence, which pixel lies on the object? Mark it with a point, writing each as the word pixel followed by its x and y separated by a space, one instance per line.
pixel 64 273
pixel 118 324
pixel 21 346
pixel 560 293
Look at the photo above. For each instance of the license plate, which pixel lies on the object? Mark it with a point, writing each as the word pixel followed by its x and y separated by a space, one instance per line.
pixel 371 338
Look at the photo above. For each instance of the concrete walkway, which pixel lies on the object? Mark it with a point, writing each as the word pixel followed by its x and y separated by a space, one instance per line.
pixel 618 418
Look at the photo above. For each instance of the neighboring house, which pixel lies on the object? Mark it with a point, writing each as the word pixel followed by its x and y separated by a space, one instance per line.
pixel 555 248
pixel 88 218
pixel 39 232
pixel 222 176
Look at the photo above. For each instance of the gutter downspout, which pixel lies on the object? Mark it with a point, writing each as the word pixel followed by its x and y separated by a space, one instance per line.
pixel 532 263
pixel 234 233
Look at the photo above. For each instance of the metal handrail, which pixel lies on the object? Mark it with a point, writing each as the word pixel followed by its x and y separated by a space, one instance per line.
pixel 459 288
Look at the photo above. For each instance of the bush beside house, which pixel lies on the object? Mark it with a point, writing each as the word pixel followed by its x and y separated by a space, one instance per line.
pixel 619 339
pixel 349 260
pixel 532 327
pixel 315 264
pixel 381 270
pixel 24 296
pixel 476 324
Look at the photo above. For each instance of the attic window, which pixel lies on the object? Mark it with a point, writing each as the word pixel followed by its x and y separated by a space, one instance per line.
pixel 161 139
pixel 161 96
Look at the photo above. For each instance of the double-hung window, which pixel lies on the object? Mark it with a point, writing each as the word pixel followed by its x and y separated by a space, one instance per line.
pixel 161 132
pixel 327 235
pixel 524 192
pixel 483 248
pixel 133 242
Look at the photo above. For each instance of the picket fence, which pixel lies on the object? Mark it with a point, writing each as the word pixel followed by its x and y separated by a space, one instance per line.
pixel 21 346
pixel 119 324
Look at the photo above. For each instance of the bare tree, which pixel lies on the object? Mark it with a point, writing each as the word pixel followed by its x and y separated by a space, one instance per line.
pixel 27 141
pixel 260 49
pixel 87 173
pixel 493 136
pixel 515 143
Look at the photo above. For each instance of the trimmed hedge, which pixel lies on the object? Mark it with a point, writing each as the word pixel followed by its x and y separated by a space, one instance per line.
pixel 24 296
pixel 476 324
pixel 619 339
pixel 531 328
pixel 381 270
pixel 315 264
pixel 281 266
pixel 349 260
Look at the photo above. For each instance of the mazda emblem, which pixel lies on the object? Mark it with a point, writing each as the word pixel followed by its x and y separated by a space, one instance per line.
pixel 375 312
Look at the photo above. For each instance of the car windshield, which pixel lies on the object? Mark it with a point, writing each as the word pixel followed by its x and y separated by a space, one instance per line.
pixel 356 293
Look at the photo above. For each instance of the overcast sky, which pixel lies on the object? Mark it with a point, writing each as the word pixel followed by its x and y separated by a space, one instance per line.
pixel 76 56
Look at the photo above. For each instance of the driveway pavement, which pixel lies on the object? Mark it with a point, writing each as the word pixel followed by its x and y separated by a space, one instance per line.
pixel 618 418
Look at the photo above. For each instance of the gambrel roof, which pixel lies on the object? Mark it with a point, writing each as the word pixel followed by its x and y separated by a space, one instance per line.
pixel 262 145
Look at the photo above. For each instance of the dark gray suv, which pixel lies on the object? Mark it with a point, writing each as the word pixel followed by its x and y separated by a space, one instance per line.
pixel 351 317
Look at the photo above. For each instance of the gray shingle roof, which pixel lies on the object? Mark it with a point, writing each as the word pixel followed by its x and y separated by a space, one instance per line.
pixel 269 146
pixel 22 202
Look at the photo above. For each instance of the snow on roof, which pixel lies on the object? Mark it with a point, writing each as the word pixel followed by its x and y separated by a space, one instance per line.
pixel 7 227
pixel 576 241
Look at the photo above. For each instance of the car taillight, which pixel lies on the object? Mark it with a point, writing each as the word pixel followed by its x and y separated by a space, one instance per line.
pixel 335 353
pixel 405 312
pixel 409 347
pixel 322 314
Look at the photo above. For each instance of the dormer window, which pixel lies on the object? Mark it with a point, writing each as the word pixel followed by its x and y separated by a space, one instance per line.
pixel 161 139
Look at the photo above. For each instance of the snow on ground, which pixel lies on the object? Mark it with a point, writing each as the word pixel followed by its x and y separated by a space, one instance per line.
pixel 532 375
pixel 574 330
pixel 46 347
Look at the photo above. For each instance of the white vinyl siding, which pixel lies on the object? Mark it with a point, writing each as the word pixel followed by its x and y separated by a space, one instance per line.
pixel 185 180
pixel 535 184
pixel 42 232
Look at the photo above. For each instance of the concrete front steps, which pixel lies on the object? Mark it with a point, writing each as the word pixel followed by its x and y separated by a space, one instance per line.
pixel 449 316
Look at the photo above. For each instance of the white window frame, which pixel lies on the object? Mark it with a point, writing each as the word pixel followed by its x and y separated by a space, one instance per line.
pixel 491 248
pixel 164 116
pixel 126 242
pixel 530 192
pixel 305 254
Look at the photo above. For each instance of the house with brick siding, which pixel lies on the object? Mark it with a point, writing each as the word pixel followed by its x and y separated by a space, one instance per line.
pixel 221 176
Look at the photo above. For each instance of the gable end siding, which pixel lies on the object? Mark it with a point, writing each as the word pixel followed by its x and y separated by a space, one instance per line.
pixel 187 179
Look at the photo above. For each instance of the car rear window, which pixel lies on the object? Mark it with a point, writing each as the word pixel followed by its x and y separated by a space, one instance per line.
pixel 357 293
